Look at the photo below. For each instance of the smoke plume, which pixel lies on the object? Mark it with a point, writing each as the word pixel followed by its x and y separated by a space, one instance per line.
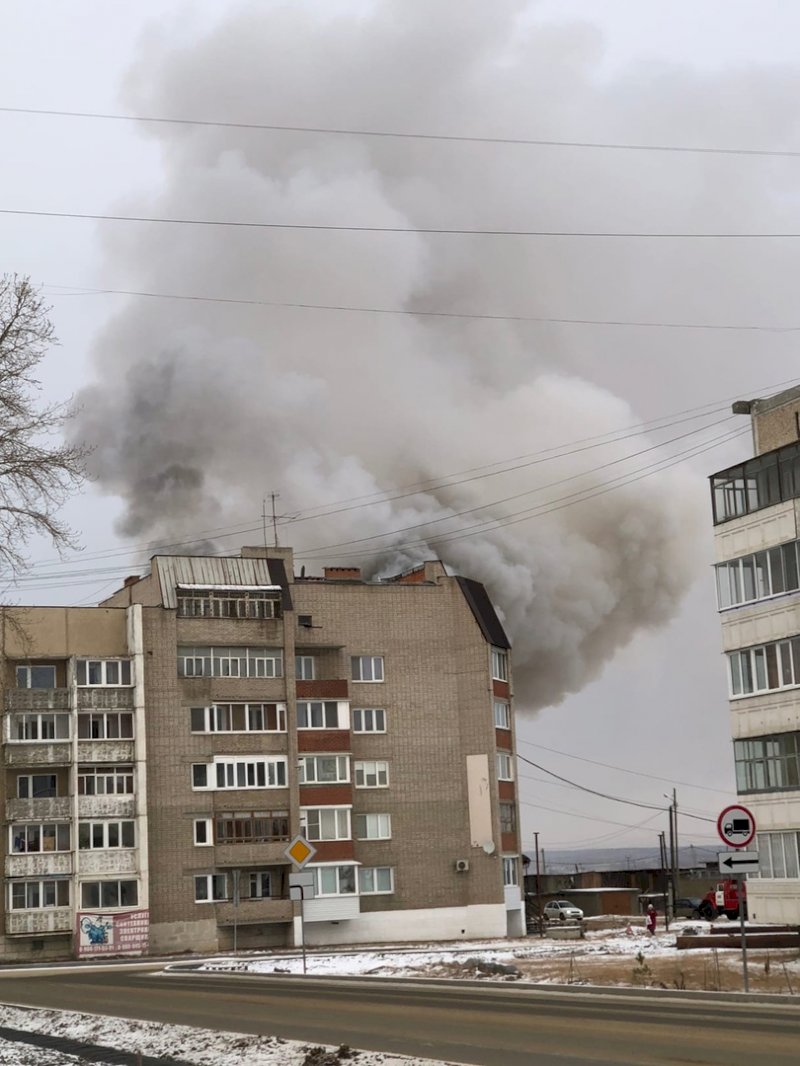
pixel 200 410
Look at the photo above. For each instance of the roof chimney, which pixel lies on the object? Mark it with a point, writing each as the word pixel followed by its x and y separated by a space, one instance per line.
pixel 132 580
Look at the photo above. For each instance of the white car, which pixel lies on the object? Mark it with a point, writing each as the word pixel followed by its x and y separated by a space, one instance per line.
pixel 562 910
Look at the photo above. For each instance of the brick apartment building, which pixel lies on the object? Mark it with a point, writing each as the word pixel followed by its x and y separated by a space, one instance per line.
pixel 161 751
pixel 756 508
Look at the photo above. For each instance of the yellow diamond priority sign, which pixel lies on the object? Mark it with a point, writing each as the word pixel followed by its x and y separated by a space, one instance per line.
pixel 300 851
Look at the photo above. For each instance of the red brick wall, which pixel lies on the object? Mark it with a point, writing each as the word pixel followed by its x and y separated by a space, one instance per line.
pixel 325 795
pixel 508 842
pixel 323 740
pixel 501 689
pixel 335 688
pixel 503 739
pixel 506 790
pixel 331 850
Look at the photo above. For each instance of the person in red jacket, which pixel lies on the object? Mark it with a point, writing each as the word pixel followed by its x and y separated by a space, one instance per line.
pixel 651 920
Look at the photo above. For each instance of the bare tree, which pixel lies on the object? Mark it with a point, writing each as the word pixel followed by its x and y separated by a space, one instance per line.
pixel 37 469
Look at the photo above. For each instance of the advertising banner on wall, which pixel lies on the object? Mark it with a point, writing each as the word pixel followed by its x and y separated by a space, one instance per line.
pixel 112 934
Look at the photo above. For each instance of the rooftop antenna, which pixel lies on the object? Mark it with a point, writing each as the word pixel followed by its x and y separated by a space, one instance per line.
pixel 273 496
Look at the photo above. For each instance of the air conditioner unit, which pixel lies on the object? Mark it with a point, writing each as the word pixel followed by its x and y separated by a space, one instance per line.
pixel 462 865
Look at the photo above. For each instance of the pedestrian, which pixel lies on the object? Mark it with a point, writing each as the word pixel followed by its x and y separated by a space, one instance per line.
pixel 651 920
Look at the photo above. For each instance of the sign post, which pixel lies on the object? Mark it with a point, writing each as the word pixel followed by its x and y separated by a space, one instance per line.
pixel 736 826
pixel 301 886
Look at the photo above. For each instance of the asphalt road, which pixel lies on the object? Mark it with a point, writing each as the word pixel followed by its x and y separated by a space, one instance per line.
pixel 497 1025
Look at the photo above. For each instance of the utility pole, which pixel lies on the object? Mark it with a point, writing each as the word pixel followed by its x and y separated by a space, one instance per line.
pixel 676 862
pixel 662 848
pixel 538 886
pixel 672 861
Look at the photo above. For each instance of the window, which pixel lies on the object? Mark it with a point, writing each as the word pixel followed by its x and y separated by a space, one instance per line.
pixel 95 894
pixel 239 718
pixel 759 576
pixel 36 677
pixel 103 672
pixel 334 880
pixel 326 823
pixel 767 764
pixel 313 714
pixel 760 482
pixel 33 727
pixel 373 826
pixel 372 774
pixel 502 714
pixel 50 836
pixel 100 836
pixel 367 667
pixel 511 870
pixel 375 880
pixel 232 772
pixel 765 668
pixel 324 769
pixel 37 786
pixel 499 664
pixel 251 827
pixel 203 833
pixel 36 895
pixel 505 766
pixel 778 855
pixel 105 780
pixel 369 720
pixel 105 725
pixel 229 662
pixel 508 818
pixel 211 888
pixel 229 603
pixel 259 884
pixel 304 667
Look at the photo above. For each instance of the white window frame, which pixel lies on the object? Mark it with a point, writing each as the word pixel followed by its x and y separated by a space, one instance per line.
pixel 364 874
pixel 502 714
pixel 26 670
pixel 217 716
pixel 124 669
pixel 325 823
pixel 315 714
pixel 53 884
pixel 342 870
pixel 105 826
pixel 364 716
pixel 121 778
pixel 213 882
pixel 363 665
pixel 308 769
pixel 234 660
pixel 18 831
pixel 371 773
pixel 372 826
pixel 500 664
pixel 104 717
pixel 305 668
pixel 103 884
pixel 208 832
pixel 505 766
pixel 243 773
pixel 510 871
pixel 36 724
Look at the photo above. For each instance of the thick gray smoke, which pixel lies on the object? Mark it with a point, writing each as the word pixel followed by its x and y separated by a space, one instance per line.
pixel 202 409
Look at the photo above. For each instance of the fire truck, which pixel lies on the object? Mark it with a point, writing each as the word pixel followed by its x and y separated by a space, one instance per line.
pixel 723 899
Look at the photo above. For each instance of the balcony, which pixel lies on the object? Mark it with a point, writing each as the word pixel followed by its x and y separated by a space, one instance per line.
pixel 254 912
pixel 105 751
pixel 37 699
pixel 45 809
pixel 35 753
pixel 241 855
pixel 106 807
pixel 39 923
pixel 109 861
pixel 36 864
pixel 105 699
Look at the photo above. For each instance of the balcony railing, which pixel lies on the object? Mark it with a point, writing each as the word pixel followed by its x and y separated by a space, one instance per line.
pixel 254 912
pixel 36 753
pixel 37 699
pixel 106 807
pixel 39 922
pixel 37 864
pixel 43 809
pixel 105 699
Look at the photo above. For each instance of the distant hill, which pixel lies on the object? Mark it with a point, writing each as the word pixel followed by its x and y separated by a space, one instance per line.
pixel 566 861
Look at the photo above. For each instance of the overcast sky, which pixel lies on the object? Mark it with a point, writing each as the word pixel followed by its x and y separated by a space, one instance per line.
pixel 646 690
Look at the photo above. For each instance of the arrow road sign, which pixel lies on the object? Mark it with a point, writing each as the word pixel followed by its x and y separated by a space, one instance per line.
pixel 736 863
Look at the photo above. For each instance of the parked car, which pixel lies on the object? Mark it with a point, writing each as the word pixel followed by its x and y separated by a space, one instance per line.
pixel 688 907
pixel 561 910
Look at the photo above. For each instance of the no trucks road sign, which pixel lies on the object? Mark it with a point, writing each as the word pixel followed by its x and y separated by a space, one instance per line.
pixel 736 826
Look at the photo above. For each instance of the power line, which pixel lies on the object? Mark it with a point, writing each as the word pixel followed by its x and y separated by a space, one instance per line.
pixel 422 230
pixel 623 769
pixel 402 135
pixel 401 311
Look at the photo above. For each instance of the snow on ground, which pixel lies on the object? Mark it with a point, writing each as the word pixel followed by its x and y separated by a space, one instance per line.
pixel 203 1047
